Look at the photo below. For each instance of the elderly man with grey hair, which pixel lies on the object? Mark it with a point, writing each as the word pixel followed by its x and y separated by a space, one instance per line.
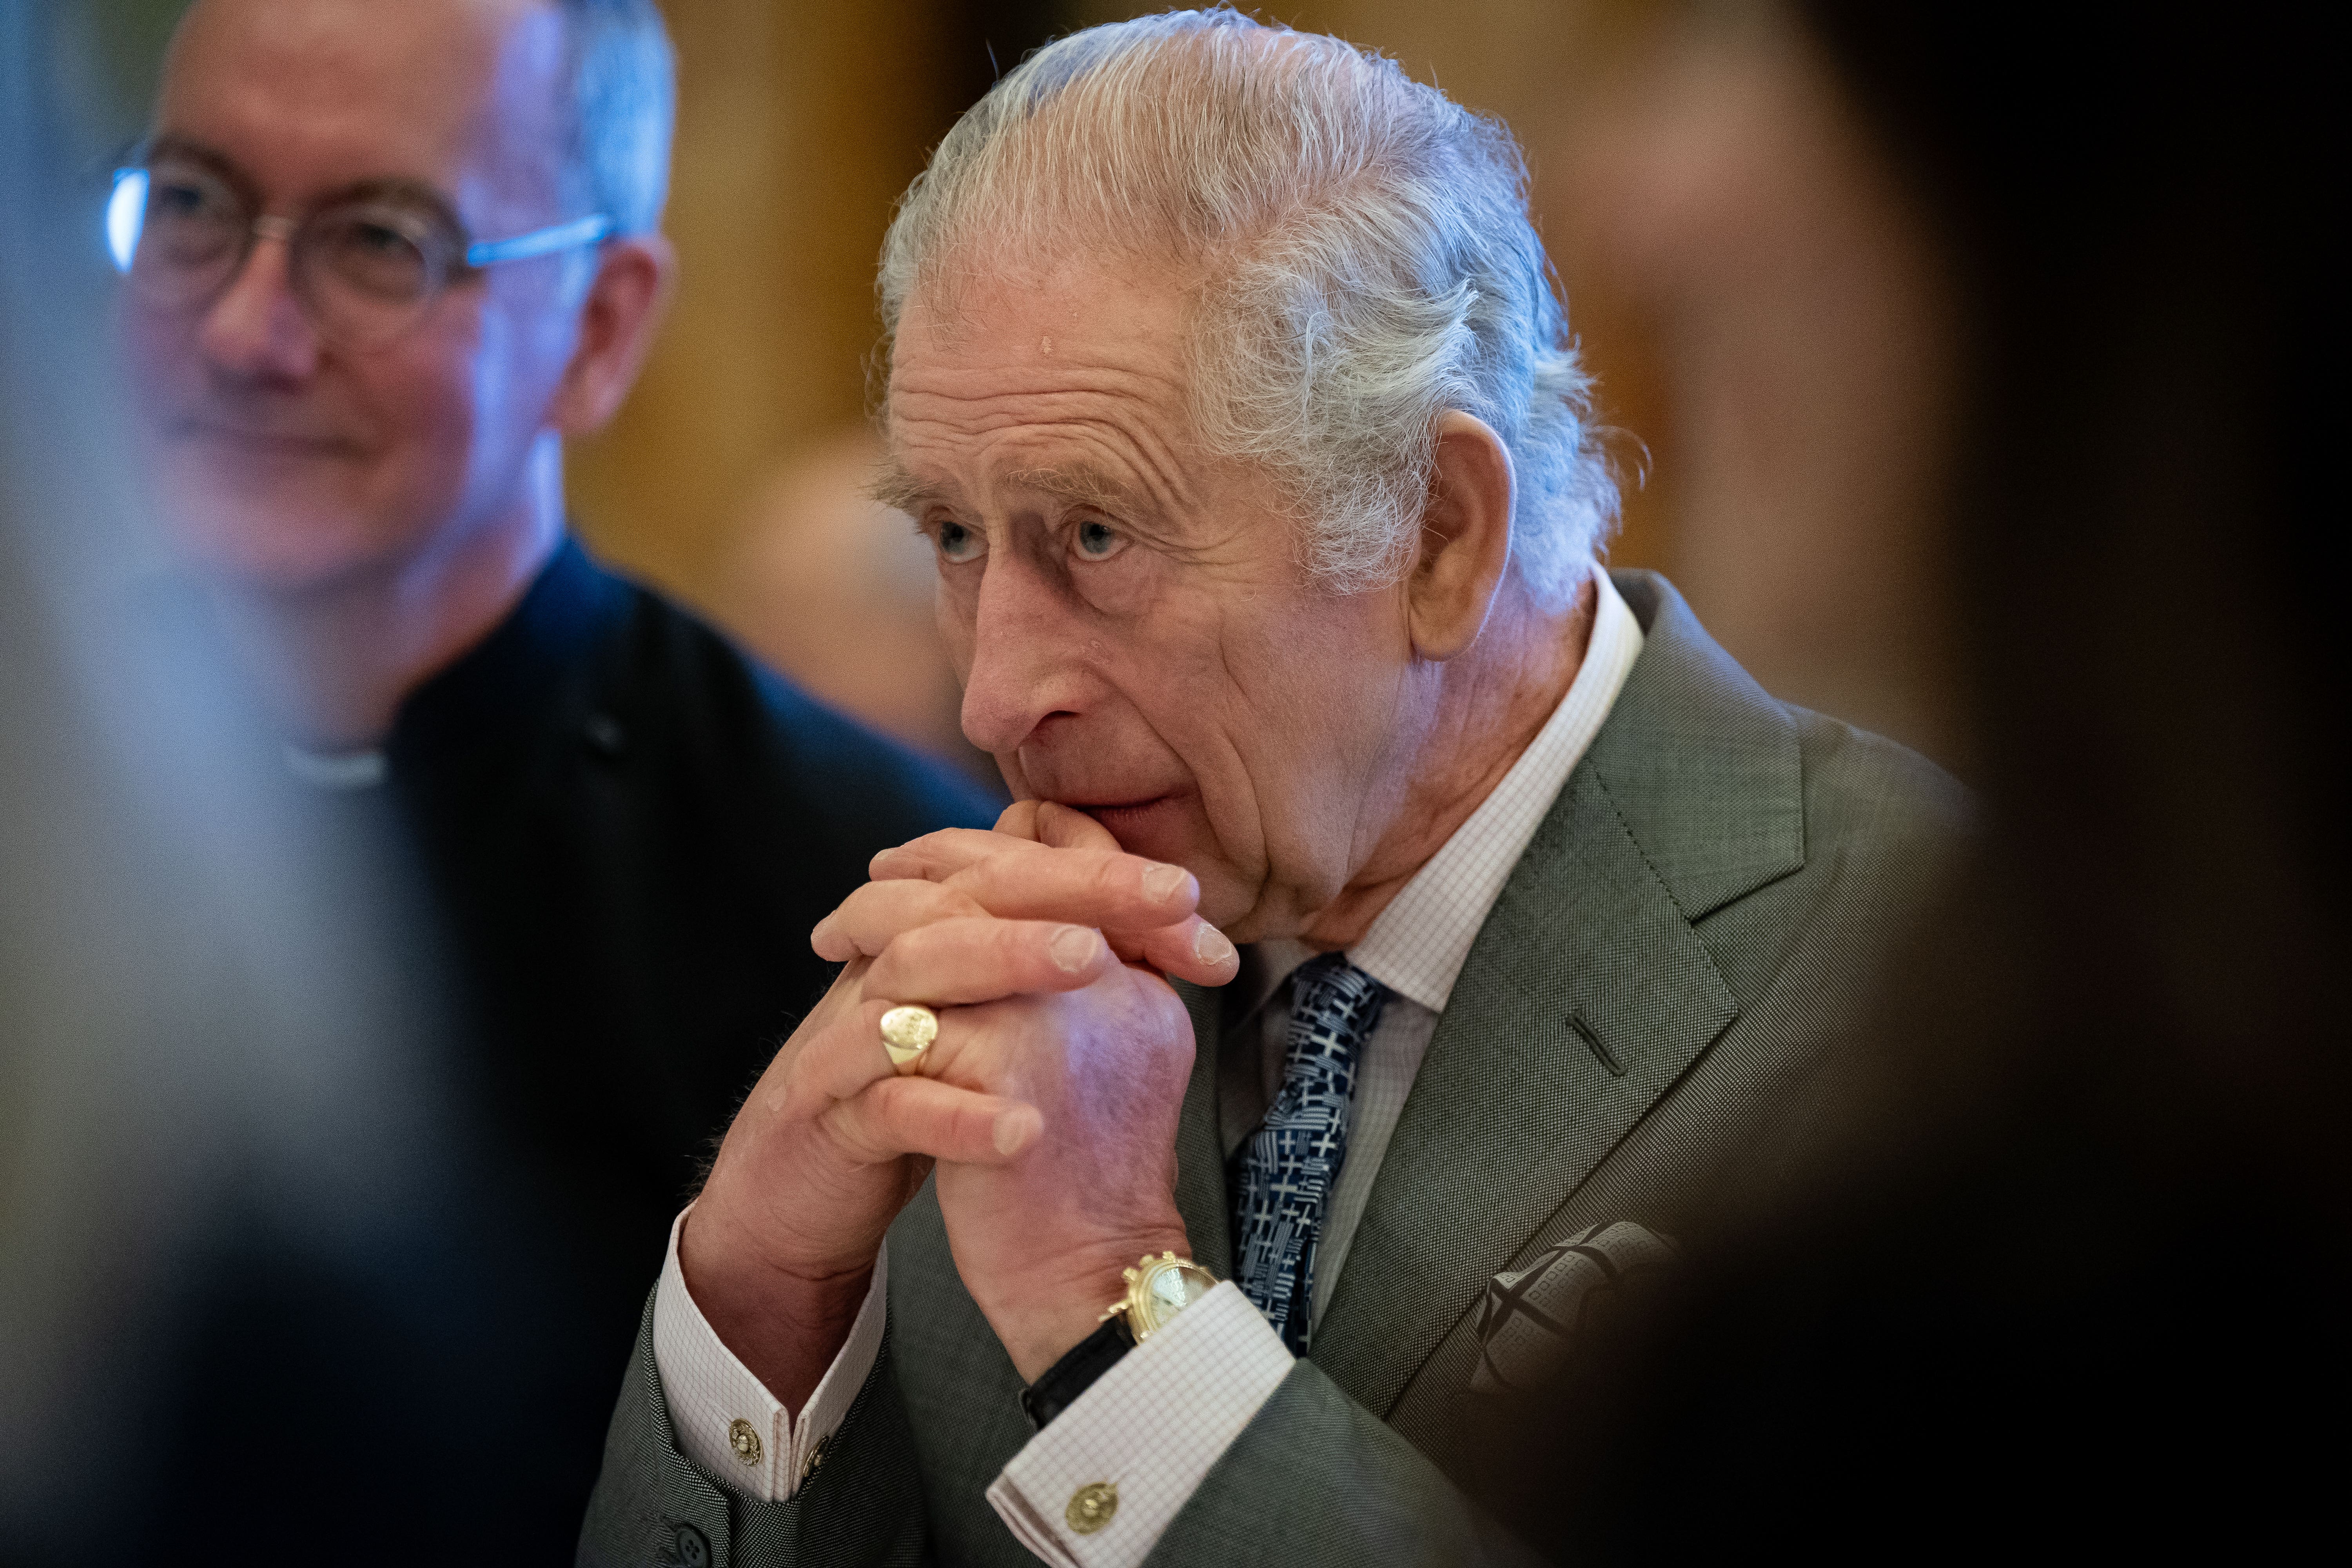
pixel 381 261
pixel 1227 380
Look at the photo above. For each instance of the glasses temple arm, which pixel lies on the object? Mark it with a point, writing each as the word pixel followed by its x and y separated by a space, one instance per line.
pixel 541 242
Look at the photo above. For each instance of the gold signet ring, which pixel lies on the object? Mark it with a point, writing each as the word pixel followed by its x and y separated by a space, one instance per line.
pixel 907 1033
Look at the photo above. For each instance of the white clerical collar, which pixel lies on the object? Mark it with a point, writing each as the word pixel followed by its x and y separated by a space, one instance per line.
pixel 1417 947
pixel 336 770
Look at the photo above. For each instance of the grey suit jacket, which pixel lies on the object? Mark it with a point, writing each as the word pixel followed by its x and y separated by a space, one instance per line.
pixel 1690 929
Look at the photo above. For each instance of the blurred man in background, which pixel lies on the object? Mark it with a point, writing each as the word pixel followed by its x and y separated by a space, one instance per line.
pixel 382 262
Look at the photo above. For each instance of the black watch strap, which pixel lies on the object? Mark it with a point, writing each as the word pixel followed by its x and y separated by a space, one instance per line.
pixel 1075 1372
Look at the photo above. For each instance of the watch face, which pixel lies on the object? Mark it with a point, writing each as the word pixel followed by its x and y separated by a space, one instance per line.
pixel 1170 1288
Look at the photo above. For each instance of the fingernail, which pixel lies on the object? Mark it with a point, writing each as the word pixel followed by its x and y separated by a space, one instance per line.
pixel 1074 947
pixel 1162 883
pixel 1012 1131
pixel 1210 946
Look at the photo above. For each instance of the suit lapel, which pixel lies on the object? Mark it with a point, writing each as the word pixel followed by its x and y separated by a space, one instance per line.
pixel 1515 1106
pixel 1199 1147
pixel 1586 996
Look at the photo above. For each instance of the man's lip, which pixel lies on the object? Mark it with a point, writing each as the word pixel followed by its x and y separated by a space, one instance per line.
pixel 1100 808
pixel 265 440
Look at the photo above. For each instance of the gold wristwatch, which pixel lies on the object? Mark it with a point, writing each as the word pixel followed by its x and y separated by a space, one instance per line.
pixel 1157 1289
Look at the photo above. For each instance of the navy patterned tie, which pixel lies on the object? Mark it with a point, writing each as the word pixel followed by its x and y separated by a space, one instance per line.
pixel 1285 1173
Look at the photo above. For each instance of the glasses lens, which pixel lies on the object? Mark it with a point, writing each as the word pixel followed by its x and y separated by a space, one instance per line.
pixel 371 266
pixel 191 234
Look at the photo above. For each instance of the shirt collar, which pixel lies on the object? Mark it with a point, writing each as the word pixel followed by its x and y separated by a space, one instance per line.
pixel 1417 947
pixel 1265 965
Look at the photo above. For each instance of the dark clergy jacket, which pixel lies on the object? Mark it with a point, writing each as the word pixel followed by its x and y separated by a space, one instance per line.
pixel 624 830
pixel 1691 929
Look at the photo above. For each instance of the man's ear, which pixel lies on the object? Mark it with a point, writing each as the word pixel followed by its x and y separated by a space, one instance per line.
pixel 618 320
pixel 1466 538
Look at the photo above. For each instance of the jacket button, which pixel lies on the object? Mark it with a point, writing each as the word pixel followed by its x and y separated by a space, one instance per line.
pixel 688 1548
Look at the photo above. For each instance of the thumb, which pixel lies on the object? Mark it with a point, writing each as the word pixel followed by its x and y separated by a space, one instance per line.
pixel 1019 820
pixel 1067 827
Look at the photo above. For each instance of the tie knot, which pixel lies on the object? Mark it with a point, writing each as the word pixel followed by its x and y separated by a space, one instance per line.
pixel 1336 993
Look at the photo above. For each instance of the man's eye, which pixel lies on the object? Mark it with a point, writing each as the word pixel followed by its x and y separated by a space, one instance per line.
pixel 1098 540
pixel 957 543
pixel 179 201
pixel 379 238
pixel 178 207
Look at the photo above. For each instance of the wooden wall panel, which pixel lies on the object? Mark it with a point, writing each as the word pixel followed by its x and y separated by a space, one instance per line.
pixel 798 127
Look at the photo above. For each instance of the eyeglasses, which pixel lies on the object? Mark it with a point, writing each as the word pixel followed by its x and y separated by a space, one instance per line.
pixel 364 267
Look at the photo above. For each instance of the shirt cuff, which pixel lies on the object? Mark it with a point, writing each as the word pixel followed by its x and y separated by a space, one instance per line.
pixel 725 1419
pixel 1146 1434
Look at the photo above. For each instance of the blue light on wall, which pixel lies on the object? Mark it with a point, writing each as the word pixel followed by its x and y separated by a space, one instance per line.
pixel 126 213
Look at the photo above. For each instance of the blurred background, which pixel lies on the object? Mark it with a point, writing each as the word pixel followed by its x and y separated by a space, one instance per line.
pixel 2117 1060
pixel 1764 315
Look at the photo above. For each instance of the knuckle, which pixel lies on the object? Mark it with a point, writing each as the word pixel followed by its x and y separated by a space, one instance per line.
pixel 980 882
pixel 906 1106
pixel 868 901
pixel 883 971
pixel 1112 876
pixel 893 863
pixel 958 1117
pixel 913 945
pixel 921 855
pixel 994 941
pixel 920 903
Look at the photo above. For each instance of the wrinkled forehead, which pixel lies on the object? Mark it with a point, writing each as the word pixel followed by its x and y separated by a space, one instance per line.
pixel 308 96
pixel 993 282
pixel 1103 317
pixel 1008 354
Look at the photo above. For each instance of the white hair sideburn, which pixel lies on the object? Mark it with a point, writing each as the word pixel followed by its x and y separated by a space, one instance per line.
pixel 1366 257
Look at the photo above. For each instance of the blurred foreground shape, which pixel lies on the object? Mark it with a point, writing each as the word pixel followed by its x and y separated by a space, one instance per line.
pixel 2072 1282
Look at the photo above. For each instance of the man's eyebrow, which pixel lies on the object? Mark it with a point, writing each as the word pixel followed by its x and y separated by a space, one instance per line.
pixel 397 188
pixel 1088 485
pixel 894 486
pixel 172 145
pixel 183 146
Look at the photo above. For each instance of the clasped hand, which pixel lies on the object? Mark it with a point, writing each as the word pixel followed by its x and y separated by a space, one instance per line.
pixel 1048 1103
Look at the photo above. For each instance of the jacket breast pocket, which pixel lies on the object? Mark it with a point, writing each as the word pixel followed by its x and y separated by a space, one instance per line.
pixel 1533 1319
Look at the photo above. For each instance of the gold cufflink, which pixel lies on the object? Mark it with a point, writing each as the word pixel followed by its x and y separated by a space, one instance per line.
pixel 744 1441
pixel 1091 1507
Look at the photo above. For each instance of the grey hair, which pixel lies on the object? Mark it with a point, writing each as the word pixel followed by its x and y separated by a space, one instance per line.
pixel 1365 259
pixel 621 93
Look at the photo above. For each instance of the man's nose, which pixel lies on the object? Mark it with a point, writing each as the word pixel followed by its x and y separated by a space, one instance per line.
pixel 257 328
pixel 1027 654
